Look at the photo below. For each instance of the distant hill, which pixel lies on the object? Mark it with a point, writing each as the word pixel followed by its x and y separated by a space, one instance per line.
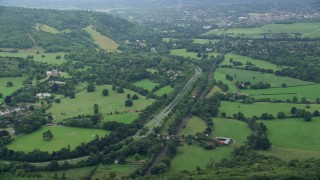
pixel 52 29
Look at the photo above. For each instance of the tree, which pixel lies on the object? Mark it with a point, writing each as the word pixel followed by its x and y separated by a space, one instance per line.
pixel 304 100
pixel 128 96
pixel 294 99
pixel 120 90
pixel 135 97
pixel 114 88
pixel 284 85
pixel 223 115
pixel 105 92
pixel 47 135
pixel 9 84
pixel 7 99
pixel 58 57
pixel 293 110
pixel 307 116
pixel 1 95
pixel 96 108
pixel 281 115
pixel 91 87
pixel 128 103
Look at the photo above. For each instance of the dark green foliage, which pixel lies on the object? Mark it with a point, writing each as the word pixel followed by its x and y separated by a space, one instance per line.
pixel 135 97
pixel 91 87
pixel 105 92
pixel 128 103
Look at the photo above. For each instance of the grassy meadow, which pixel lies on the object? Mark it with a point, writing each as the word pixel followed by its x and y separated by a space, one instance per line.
pixel 204 41
pixel 214 90
pixel 254 77
pixel 310 30
pixel 48 57
pixel 311 92
pixel 146 84
pixel 294 133
pixel 17 83
pixel 126 118
pixel 257 108
pixel 184 53
pixel 165 90
pixel 114 102
pixel 102 41
pixel 63 136
pixel 168 39
pixel 195 125
pixel 190 156
pixel 245 59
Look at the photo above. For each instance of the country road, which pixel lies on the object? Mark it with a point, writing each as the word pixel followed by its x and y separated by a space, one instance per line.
pixel 164 112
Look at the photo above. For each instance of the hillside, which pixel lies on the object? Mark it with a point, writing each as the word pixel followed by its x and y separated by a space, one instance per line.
pixel 52 28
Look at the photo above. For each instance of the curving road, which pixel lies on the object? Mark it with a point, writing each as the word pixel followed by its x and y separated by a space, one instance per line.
pixel 156 121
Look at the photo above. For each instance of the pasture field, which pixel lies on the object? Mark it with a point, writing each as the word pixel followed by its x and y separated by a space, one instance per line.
pixel 205 41
pixel 255 77
pixel 102 172
pixel 165 90
pixel 190 156
pixel 234 129
pixel 214 90
pixel 184 53
pixel 290 153
pixel 46 28
pixel 17 83
pixel 146 84
pixel 48 57
pixel 102 41
pixel 63 136
pixel 151 70
pixel 195 125
pixel 107 104
pixel 311 30
pixel 258 108
pixel 294 133
pixel 168 39
pixel 245 59
pixel 126 118
pixel 220 76
pixel 311 92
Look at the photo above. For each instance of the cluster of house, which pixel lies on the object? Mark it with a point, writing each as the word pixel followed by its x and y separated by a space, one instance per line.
pixel 219 140
pixel 52 73
pixel 9 111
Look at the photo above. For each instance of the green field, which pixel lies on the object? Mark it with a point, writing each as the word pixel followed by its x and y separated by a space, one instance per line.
pixel 49 57
pixel 190 156
pixel 214 90
pixel 204 41
pixel 63 136
pixel 195 125
pixel 184 53
pixel 46 28
pixel 146 84
pixel 126 118
pixel 102 41
pixel 17 83
pixel 234 129
pixel 290 153
pixel 258 108
pixel 311 92
pixel 311 30
pixel 165 90
pixel 102 172
pixel 169 39
pixel 245 59
pixel 294 133
pixel 293 138
pixel 84 101
pixel 255 77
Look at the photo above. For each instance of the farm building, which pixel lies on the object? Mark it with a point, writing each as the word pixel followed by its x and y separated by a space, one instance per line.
pixel 53 73
pixel 223 140
pixel 43 95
